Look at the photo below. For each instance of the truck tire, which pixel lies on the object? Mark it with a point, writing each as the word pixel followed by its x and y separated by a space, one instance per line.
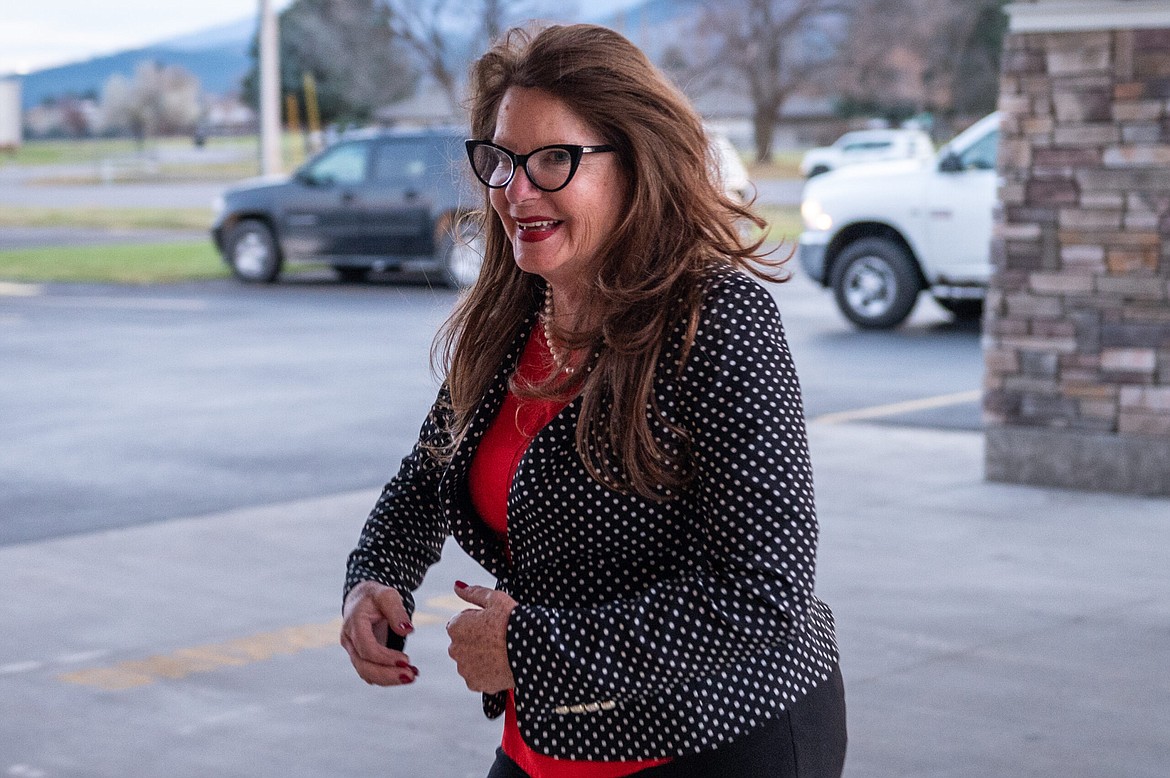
pixel 252 252
pixel 875 283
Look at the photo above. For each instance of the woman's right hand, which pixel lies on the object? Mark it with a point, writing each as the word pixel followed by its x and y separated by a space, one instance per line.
pixel 370 610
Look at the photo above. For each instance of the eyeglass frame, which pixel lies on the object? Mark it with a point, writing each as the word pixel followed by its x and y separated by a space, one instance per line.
pixel 576 152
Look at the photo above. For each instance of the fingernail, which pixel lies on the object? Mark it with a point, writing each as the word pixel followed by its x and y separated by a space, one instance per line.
pixel 415 669
pixel 460 585
pixel 406 626
pixel 405 678
pixel 402 665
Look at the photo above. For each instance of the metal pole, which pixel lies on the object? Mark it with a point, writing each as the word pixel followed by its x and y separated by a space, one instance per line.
pixel 269 91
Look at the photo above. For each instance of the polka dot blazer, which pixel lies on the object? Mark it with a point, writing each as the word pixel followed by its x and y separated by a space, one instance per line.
pixel 645 629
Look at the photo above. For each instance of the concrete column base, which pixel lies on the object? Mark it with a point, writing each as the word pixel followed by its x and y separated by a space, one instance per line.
pixel 1127 464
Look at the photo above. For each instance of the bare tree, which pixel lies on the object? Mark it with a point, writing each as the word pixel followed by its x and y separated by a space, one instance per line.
pixel 159 99
pixel 910 56
pixel 446 35
pixel 775 48
pixel 883 67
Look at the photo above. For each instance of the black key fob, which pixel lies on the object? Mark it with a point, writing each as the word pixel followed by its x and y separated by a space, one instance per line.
pixel 395 641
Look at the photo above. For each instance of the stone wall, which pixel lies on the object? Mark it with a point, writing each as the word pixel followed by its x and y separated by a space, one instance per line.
pixel 1077 329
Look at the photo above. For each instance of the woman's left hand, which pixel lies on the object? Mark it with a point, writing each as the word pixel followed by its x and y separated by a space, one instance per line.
pixel 479 639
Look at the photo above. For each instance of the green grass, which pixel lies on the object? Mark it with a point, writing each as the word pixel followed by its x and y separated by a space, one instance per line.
pixel 61 152
pixel 784 164
pixel 154 263
pixel 108 218
pixel 783 222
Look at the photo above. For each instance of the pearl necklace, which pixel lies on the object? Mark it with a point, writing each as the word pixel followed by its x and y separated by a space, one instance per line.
pixel 559 355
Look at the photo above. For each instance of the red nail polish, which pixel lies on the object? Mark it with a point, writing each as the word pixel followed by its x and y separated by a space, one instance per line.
pixel 460 585
pixel 403 665
pixel 405 678
pixel 406 626
pixel 413 668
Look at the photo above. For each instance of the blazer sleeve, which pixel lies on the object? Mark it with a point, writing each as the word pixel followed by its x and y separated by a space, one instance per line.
pixel 752 497
pixel 404 533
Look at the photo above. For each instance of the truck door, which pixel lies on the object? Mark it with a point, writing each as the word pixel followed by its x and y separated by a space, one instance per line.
pixel 959 204
pixel 397 205
pixel 320 218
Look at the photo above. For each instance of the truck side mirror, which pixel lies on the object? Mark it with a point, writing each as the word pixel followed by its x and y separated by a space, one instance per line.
pixel 309 178
pixel 950 163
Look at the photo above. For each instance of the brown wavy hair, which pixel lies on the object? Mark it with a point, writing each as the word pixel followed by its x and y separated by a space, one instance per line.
pixel 678 226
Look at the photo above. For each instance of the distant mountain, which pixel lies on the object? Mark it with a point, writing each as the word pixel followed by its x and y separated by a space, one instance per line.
pixel 218 56
pixel 229 34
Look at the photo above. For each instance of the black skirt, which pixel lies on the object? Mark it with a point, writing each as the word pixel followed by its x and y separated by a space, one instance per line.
pixel 806 741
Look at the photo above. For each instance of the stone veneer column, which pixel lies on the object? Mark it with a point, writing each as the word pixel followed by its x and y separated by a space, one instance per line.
pixel 1077 329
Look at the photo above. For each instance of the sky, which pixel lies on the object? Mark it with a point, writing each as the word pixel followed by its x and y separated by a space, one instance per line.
pixel 39 33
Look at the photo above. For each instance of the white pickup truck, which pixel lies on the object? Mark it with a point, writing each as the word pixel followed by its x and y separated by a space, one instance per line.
pixel 878 234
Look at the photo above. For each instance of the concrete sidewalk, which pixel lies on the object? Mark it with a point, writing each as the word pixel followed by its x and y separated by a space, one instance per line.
pixel 985 630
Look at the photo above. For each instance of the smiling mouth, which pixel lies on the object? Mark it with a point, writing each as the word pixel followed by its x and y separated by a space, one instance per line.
pixel 545 224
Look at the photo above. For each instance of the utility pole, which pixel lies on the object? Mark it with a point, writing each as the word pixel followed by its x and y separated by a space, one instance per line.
pixel 269 91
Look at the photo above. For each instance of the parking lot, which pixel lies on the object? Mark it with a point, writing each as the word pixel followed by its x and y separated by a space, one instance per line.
pixel 184 468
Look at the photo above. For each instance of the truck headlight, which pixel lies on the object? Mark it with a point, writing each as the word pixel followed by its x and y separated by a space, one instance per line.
pixel 815 217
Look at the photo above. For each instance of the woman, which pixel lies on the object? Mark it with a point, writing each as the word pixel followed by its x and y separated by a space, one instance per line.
pixel 620 441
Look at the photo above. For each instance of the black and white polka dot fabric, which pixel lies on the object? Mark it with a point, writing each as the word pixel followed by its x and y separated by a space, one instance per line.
pixel 645 629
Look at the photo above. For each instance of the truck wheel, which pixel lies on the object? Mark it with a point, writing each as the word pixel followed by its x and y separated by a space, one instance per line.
pixel 252 252
pixel 875 283
pixel 460 256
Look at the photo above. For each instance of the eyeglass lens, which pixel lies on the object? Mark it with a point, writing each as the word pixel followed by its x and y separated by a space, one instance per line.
pixel 548 168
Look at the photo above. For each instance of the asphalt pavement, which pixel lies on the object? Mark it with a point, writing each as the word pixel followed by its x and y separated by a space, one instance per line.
pixel 131 404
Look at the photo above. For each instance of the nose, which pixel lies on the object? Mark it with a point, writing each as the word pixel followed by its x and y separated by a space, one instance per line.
pixel 521 188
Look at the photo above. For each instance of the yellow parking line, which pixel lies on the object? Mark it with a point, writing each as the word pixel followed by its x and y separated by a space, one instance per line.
pixel 216 656
pixel 448 602
pixel 894 409
pixel 203 659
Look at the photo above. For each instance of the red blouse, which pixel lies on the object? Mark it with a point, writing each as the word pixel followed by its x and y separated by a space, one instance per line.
pixel 490 479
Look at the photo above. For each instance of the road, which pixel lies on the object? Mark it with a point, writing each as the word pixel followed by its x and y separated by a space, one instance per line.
pixel 49 187
pixel 126 405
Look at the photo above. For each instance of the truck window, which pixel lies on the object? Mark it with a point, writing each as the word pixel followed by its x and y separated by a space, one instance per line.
pixel 981 155
pixel 344 164
pixel 403 162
